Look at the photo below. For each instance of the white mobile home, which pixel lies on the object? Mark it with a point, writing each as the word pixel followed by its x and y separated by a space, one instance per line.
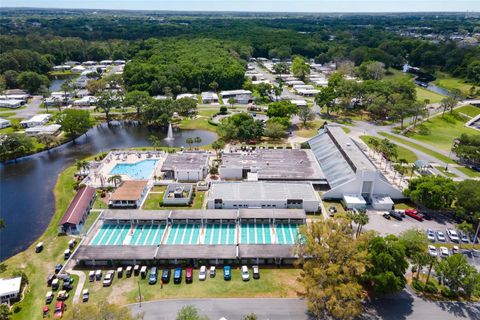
pixel 240 96
pixel 4 123
pixel 209 97
pixel 36 121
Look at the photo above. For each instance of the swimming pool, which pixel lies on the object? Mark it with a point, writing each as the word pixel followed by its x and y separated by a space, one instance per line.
pixel 141 170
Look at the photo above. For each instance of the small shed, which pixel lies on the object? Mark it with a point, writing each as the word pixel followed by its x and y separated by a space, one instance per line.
pixel 354 201
pixel 382 202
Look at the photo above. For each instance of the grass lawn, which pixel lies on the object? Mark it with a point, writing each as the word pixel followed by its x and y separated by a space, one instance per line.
pixel 92 216
pixel 404 204
pixel 403 153
pixel 310 129
pixel 153 201
pixel 272 283
pixel 100 203
pixel 469 172
pixel 447 173
pixel 201 122
pixel 38 266
pixel 423 94
pixel 443 131
pixel 448 82
pixel 418 147
pixel 340 209
pixel 469 110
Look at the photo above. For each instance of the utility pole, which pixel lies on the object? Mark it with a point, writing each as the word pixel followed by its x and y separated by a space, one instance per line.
pixel 139 294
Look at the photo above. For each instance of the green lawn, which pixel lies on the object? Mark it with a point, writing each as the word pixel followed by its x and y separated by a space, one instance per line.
pixel 310 129
pixel 154 200
pixel 469 172
pixel 201 122
pixel 448 82
pixel 403 153
pixel 272 283
pixel 99 203
pixel 443 131
pixel 337 204
pixel 469 110
pixel 423 94
pixel 418 147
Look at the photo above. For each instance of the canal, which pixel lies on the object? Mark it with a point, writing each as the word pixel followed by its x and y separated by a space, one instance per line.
pixel 27 201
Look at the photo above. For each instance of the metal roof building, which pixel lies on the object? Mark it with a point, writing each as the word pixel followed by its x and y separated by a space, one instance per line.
pixel 76 213
pixel 186 166
pixel 346 167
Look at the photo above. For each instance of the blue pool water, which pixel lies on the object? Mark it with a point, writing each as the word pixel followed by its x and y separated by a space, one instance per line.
pixel 139 171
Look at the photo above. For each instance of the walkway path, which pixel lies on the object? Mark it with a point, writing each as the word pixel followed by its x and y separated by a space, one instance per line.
pixel 80 284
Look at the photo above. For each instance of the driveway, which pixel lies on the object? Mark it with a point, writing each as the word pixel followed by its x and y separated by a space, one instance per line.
pixel 400 306
pixel 32 108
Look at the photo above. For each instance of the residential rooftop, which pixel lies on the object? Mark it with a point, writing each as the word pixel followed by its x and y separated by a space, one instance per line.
pixel 130 190
pixel 185 161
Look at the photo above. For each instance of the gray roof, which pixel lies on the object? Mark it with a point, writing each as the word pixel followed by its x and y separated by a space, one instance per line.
pixel 266 251
pixel 133 214
pixel 276 164
pixel 261 190
pixel 205 214
pixel 185 161
pixel 196 252
pixel 272 213
pixel 85 252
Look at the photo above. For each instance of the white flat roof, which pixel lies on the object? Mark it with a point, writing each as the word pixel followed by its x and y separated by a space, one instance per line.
pixel 384 199
pixel 354 199
pixel 10 286
pixel 39 118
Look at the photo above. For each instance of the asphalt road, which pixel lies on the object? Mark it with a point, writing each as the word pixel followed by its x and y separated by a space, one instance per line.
pixel 401 306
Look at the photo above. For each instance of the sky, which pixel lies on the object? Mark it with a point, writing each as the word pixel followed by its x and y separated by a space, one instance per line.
pixel 259 5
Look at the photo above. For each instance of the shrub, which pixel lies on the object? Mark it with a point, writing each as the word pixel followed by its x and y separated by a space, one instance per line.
pixel 430 287
pixel 449 119
pixel 223 110
pixel 423 130
pixel 447 293
pixel 417 285
pixel 304 145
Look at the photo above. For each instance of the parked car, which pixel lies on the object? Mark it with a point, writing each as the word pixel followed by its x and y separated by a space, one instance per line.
pixel 332 210
pixel 60 307
pixel 414 214
pixel 128 271
pixel 245 273
pixel 440 236
pixel 66 254
pixel 396 214
pixel 453 235
pixel 202 273
pixel 62 295
pixel 213 272
pixel 152 278
pixel 188 275
pixel 455 249
pixel 136 270
pixel 463 237
pixel 55 284
pixel 98 275
pixel 256 272
pixel 444 252
pixel 166 275
pixel 67 284
pixel 50 278
pixel 386 215
pixel 227 273
pixel 85 295
pixel 91 276
pixel 46 311
pixel 58 267
pixel 119 272
pixel 49 297
pixel 432 250
pixel 143 272
pixel 39 247
pixel 107 281
pixel 431 235
pixel 177 276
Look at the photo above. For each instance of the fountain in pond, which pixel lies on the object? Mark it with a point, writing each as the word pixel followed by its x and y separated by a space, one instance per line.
pixel 170 132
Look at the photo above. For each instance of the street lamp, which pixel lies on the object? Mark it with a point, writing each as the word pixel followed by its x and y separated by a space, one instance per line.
pixel 139 295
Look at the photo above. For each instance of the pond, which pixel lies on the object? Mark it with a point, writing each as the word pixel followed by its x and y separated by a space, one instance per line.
pixel 26 187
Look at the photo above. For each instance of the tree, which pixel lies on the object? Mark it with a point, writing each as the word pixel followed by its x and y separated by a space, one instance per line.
pixel 48 140
pixel 456 273
pixel 67 87
pixel 197 140
pixel 372 70
pixel 448 103
pixel 32 81
pixel 241 126
pixel 15 145
pixel 466 148
pixel 137 99
pixel 155 141
pixel 5 313
pixel 186 107
pixel 386 270
pixel 96 86
pixel 223 110
pixel 250 316
pixel 189 141
pixel 332 262
pixel 218 145
pixel 305 114
pixel 82 165
pixel 468 200
pixel 274 130
pixel 231 101
pixel 300 68
pixel 107 100
pixel 281 68
pixel 74 122
pixel 361 218
pixel 189 313
pixel 433 192
pixel 213 86
pixel 281 109
pixel 116 179
pixel 473 72
pixel 414 241
pixel 158 113
pixel 100 310
pixel 420 259
pixel 326 98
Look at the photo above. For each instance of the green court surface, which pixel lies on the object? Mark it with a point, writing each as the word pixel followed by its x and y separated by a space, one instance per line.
pixel 141 235
pixel 255 233
pixel 287 233
pixel 220 234
pixel 184 234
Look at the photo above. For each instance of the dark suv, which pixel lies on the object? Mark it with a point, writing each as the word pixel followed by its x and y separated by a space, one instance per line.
pixel 152 278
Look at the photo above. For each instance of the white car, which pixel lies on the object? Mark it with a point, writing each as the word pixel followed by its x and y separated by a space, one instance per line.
pixel 432 251
pixel 453 235
pixel 444 252
pixel 440 236
pixel 245 273
pixel 213 272
pixel 202 274
pixel 455 249
pixel 107 281
pixel 431 235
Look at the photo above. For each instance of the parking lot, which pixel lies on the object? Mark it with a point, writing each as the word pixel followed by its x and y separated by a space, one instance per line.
pixel 392 226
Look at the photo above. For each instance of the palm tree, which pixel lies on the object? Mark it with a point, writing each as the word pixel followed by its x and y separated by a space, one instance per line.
pixel 67 87
pixel 2 224
pixel 217 146
pixel 231 102
pixel 82 165
pixel 197 140
pixel 116 179
pixel 189 141
pixel 361 218
pixel 431 262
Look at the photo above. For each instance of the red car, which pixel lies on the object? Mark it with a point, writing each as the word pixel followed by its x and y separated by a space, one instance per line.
pixel 414 214
pixel 45 311
pixel 60 307
pixel 188 275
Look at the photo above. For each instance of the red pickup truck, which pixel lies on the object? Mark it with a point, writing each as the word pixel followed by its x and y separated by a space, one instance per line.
pixel 414 214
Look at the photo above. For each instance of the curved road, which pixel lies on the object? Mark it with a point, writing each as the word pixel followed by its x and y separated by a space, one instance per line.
pixel 400 306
